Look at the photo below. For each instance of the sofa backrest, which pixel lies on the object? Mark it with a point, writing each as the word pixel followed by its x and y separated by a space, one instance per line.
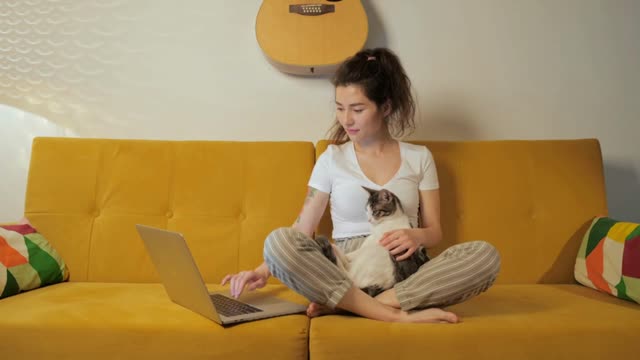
pixel 86 195
pixel 532 199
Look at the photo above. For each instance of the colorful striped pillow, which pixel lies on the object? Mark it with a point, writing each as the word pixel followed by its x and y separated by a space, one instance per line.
pixel 27 260
pixel 609 258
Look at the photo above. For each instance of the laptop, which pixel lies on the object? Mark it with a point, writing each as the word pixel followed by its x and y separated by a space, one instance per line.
pixel 184 284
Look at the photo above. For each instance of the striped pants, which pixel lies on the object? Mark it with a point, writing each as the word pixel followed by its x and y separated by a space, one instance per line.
pixel 457 274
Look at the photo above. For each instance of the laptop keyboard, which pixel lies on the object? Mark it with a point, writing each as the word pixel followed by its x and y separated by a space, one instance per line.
pixel 230 307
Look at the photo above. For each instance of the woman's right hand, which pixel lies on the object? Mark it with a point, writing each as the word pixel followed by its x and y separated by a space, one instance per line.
pixel 252 279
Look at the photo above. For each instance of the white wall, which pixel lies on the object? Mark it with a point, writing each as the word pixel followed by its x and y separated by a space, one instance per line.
pixel 493 69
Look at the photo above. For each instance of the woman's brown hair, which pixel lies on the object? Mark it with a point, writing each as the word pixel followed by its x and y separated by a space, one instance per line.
pixel 381 76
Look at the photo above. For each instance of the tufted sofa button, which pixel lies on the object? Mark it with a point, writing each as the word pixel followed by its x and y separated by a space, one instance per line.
pixel 95 213
pixel 169 214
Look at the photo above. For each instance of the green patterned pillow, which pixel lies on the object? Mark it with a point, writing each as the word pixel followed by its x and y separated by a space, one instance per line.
pixel 609 258
pixel 27 260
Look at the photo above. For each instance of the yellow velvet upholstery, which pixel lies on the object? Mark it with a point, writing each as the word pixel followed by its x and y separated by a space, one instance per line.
pixel 529 321
pixel 531 199
pixel 86 195
pixel 88 320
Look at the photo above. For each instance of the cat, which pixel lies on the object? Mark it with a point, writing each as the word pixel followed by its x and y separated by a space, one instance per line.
pixel 371 267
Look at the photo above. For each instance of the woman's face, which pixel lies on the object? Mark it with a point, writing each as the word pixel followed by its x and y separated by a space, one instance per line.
pixel 360 117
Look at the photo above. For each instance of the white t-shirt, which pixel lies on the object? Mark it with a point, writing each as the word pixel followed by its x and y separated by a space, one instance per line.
pixel 338 173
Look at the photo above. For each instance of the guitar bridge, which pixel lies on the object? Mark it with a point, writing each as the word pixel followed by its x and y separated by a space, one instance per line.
pixel 312 9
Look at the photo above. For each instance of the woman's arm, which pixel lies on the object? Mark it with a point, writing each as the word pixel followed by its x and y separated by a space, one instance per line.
pixel 312 210
pixel 407 241
pixel 430 218
pixel 310 215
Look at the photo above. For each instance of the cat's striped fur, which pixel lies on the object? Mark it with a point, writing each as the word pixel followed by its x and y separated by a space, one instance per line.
pixel 371 267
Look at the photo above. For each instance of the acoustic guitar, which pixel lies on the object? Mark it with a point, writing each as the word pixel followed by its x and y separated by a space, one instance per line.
pixel 307 37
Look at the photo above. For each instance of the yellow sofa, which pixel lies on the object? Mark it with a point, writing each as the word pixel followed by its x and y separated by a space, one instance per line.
pixel 532 199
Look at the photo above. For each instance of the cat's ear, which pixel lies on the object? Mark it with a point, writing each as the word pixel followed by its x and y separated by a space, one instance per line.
pixel 370 191
pixel 386 195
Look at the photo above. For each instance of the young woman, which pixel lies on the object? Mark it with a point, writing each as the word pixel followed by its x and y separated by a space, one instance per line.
pixel 374 105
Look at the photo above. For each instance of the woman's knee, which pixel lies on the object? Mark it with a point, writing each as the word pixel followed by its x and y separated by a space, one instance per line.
pixel 490 256
pixel 284 242
pixel 276 240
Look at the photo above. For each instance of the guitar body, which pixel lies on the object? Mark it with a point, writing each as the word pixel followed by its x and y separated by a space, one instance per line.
pixel 310 37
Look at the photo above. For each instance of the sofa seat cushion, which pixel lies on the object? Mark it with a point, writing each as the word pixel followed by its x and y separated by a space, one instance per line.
pixel 113 320
pixel 508 321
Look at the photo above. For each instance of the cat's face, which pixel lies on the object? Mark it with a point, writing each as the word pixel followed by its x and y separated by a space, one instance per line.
pixel 381 204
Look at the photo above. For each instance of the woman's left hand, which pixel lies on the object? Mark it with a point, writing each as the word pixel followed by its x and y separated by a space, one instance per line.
pixel 401 241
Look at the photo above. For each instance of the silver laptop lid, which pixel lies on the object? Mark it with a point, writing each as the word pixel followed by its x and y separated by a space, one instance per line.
pixel 177 269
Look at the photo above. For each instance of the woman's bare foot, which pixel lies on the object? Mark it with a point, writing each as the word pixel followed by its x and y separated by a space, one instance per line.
pixel 432 315
pixel 314 310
